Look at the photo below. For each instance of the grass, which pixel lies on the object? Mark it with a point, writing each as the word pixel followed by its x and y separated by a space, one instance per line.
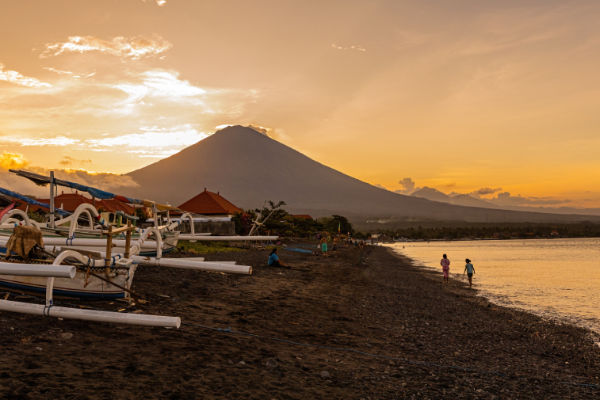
pixel 204 248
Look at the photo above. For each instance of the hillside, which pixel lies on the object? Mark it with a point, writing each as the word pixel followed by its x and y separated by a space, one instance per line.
pixel 248 168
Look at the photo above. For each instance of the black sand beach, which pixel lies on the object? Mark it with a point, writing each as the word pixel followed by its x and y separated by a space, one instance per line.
pixel 360 323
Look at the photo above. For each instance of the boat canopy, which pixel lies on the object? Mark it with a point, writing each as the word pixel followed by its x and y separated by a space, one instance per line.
pixel 31 201
pixel 43 180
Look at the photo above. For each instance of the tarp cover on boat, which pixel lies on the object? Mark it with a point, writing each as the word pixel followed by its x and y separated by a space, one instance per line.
pixel 45 180
pixel 29 200
pixel 23 239
pixel 97 193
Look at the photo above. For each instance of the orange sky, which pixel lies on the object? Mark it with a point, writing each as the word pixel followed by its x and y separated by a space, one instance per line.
pixel 457 95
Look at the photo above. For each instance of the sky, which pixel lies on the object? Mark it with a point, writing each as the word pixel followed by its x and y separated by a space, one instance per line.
pixel 498 99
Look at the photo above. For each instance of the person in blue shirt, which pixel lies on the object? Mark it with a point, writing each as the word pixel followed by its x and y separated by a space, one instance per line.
pixel 274 260
pixel 470 270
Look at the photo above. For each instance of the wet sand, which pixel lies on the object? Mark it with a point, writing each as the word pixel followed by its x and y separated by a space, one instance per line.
pixel 359 323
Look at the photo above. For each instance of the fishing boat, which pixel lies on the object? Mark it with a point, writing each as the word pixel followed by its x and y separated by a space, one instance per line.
pixel 85 222
pixel 101 267
pixel 95 277
pixel 70 273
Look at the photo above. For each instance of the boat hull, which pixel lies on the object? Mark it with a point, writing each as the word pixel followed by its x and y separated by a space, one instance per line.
pixel 76 287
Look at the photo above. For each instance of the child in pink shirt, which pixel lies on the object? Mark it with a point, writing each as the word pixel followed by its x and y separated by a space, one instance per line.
pixel 445 263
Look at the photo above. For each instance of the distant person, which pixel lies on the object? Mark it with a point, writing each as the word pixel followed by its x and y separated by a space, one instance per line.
pixel 274 260
pixel 445 263
pixel 470 270
pixel 324 245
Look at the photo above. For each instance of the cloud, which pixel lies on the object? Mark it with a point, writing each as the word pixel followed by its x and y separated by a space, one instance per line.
pixel 133 48
pixel 12 160
pixel 408 186
pixel 18 79
pixel 151 142
pixel 506 199
pixel 159 3
pixel 160 84
pixel 485 191
pixel 67 161
pixel 52 141
pixel 351 47
pixel 69 73
pixel 94 114
pixel 105 181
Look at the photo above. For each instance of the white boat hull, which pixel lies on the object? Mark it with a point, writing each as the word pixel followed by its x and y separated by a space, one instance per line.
pixel 76 287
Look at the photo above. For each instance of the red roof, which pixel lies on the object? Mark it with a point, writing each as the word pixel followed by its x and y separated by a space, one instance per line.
pixel 209 203
pixel 114 205
pixel 301 216
pixel 70 201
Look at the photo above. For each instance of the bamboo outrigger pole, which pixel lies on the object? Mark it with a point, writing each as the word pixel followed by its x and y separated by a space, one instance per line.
pixel 52 199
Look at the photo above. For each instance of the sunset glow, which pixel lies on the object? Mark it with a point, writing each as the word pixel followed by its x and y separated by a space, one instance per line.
pixel 455 95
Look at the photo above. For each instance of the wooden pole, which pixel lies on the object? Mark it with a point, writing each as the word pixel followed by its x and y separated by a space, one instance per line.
pixel 128 238
pixel 52 199
pixel 108 248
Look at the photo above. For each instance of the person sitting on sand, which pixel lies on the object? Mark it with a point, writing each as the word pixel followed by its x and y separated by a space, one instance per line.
pixel 470 270
pixel 445 263
pixel 274 260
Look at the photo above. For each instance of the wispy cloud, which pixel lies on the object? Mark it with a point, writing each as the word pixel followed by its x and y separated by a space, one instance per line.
pixel 159 3
pixel 69 73
pixel 484 191
pixel 50 141
pixel 18 79
pixel 161 84
pixel 354 47
pixel 133 48
pixel 151 141
pixel 507 199
pixel 69 161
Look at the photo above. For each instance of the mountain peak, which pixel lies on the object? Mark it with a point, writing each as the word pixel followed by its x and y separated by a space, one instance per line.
pixel 242 130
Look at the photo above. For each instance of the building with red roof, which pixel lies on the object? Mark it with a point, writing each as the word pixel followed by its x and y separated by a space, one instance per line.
pixel 70 201
pixel 301 216
pixel 210 203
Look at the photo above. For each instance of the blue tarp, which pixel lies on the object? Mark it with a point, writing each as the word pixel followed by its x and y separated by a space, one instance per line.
pixel 97 193
pixel 29 200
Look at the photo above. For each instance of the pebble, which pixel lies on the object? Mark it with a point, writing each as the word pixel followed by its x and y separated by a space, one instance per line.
pixel 242 363
pixel 325 374
pixel 271 363
pixel 66 335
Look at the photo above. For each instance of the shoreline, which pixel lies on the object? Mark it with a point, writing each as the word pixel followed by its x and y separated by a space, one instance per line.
pixel 497 298
pixel 489 297
pixel 498 239
pixel 357 323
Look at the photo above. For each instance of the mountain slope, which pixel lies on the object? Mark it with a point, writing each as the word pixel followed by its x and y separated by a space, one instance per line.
pixel 248 168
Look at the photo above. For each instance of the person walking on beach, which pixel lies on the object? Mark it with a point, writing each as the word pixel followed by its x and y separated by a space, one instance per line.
pixel 324 245
pixel 470 270
pixel 445 263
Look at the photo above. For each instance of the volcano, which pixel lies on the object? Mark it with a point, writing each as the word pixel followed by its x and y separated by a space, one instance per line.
pixel 248 168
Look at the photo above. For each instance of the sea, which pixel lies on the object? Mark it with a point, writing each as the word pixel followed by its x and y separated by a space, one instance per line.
pixel 558 279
